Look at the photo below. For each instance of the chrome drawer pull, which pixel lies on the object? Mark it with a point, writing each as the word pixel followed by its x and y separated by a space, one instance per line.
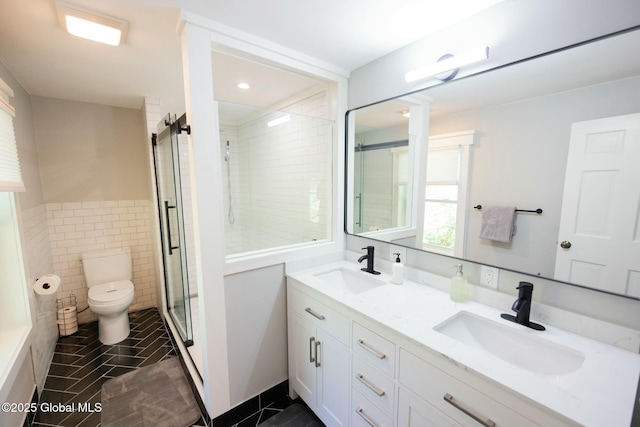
pixel 372 351
pixel 314 314
pixel 371 387
pixel 369 421
pixel 487 423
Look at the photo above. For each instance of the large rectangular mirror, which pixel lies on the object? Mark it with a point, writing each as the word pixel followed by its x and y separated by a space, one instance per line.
pixel 556 137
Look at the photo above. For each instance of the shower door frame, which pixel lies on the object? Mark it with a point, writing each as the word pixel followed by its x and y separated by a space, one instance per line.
pixel 174 127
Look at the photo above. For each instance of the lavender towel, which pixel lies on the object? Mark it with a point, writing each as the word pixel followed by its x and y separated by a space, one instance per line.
pixel 498 223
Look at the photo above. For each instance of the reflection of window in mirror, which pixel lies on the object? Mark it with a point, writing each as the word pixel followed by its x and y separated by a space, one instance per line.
pixel 446 191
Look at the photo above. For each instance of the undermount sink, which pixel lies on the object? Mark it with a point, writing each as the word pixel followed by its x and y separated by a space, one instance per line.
pixel 353 281
pixel 518 349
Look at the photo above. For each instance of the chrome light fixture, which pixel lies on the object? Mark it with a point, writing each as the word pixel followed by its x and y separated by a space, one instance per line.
pixel 448 63
pixel 91 25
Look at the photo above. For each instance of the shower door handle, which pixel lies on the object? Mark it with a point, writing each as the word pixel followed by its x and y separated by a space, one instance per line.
pixel 166 216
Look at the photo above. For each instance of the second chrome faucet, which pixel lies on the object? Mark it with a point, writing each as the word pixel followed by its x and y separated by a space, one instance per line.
pixel 369 257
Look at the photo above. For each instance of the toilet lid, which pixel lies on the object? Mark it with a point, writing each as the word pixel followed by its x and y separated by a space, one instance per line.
pixel 112 291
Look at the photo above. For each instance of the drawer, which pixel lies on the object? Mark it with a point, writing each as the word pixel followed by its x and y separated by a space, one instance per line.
pixel 453 397
pixel 320 314
pixel 365 414
pixel 374 349
pixel 373 384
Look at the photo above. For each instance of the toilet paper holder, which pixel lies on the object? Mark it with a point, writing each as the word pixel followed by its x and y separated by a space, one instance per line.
pixel 62 302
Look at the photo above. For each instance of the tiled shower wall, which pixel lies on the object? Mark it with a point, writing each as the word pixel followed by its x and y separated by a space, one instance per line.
pixel 280 178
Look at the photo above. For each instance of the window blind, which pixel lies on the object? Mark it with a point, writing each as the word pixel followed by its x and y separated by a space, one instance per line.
pixel 10 174
pixel 443 166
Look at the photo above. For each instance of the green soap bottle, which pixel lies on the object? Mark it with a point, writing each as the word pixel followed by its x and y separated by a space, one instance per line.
pixel 459 286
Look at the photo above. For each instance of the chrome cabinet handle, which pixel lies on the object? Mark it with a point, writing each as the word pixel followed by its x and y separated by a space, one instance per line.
pixel 371 387
pixel 364 416
pixel 317 345
pixel 485 422
pixel 371 350
pixel 314 314
pixel 311 358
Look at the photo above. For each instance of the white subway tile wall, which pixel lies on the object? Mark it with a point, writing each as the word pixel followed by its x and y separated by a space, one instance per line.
pixel 279 178
pixel 75 228
pixel 39 262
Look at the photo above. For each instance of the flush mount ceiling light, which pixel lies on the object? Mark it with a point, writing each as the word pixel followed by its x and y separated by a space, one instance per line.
pixel 279 121
pixel 243 85
pixel 448 63
pixel 91 25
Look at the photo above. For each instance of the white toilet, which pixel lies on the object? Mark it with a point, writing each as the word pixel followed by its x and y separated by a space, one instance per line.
pixel 108 274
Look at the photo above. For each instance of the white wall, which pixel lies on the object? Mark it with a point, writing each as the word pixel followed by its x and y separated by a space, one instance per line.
pixel 257 324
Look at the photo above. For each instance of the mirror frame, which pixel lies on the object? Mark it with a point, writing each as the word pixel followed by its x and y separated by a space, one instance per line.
pixel 347 155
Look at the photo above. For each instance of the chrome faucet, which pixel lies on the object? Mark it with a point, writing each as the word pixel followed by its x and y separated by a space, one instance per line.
pixel 369 258
pixel 522 307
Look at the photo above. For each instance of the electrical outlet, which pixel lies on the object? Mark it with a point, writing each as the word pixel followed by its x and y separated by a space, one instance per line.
pixel 489 276
pixel 398 249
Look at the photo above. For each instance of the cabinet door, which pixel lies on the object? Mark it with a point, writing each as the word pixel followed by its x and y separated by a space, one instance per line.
pixel 303 351
pixel 333 381
pixel 415 412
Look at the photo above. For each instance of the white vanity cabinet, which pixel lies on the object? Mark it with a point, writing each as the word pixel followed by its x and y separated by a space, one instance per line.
pixel 319 357
pixel 447 399
pixel 354 371
pixel 373 367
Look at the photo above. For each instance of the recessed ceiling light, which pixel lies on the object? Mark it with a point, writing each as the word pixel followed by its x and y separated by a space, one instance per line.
pixel 243 85
pixel 91 25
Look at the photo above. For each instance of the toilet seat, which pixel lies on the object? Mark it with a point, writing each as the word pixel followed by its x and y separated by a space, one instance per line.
pixel 111 292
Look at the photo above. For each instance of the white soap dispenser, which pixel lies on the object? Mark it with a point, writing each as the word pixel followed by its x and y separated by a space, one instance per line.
pixel 397 270
pixel 459 286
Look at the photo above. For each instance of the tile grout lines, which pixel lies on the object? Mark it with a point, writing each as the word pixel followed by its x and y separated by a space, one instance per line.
pixel 81 364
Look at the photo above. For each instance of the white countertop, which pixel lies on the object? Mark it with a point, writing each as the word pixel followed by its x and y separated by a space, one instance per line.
pixel 600 393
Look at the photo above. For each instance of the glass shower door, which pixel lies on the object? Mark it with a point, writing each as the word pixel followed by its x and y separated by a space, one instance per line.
pixel 167 169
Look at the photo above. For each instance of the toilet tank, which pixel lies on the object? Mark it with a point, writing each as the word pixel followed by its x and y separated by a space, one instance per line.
pixel 107 266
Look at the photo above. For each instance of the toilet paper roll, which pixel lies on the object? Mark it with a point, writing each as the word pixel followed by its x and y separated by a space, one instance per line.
pixel 47 284
pixel 67 313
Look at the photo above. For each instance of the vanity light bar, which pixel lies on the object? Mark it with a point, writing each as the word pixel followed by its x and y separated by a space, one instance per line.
pixel 448 64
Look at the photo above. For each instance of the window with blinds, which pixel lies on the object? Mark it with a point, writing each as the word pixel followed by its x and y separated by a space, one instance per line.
pixel 441 198
pixel 10 175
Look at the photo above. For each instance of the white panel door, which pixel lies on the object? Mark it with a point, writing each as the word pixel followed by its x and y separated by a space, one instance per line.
pixel 334 381
pixel 599 239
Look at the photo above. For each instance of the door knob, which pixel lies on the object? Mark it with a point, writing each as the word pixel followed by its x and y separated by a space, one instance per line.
pixel 565 245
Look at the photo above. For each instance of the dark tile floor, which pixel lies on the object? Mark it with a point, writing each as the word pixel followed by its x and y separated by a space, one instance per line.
pixel 271 410
pixel 81 364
